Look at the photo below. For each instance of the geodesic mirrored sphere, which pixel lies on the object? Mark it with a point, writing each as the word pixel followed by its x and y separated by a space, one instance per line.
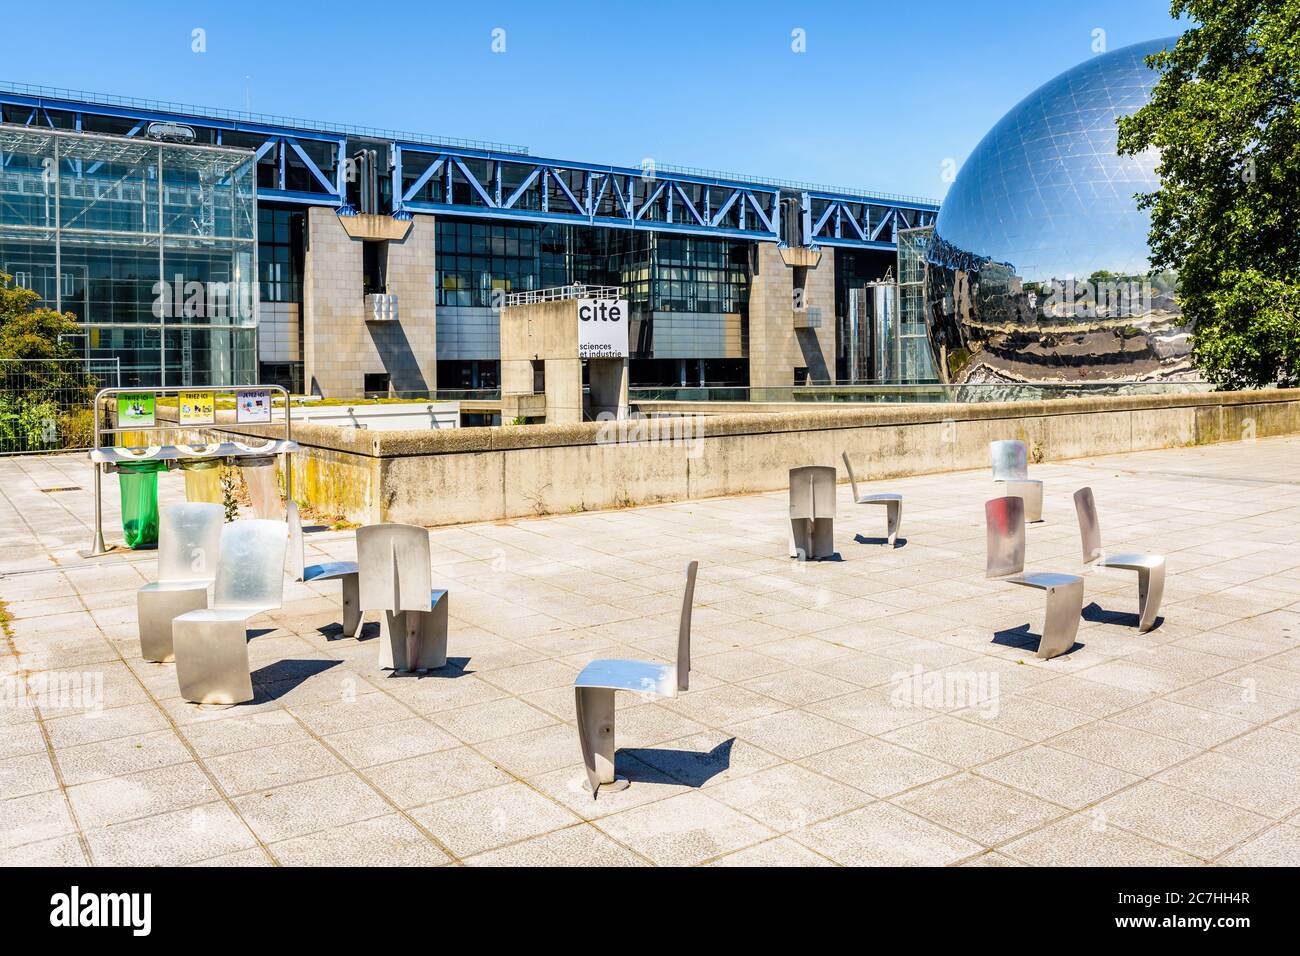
pixel 1038 267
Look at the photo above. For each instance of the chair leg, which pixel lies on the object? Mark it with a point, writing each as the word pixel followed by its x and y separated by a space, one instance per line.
pixel 155 610
pixel 212 661
pixel 823 538
pixel 351 605
pixel 1061 623
pixel 595 711
pixel 801 538
pixel 1151 589
pixel 893 520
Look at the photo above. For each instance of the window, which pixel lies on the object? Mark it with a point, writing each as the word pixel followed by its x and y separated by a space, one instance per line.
pixel 375 383
pixel 539 376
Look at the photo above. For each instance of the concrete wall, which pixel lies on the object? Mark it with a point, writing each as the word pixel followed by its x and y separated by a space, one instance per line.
pixel 340 346
pixel 776 348
pixel 482 474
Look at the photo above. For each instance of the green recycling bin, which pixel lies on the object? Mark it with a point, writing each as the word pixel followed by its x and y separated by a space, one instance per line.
pixel 138 483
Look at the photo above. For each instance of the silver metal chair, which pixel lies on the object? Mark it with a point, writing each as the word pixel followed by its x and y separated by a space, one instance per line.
pixel 594 690
pixel 812 512
pixel 189 540
pixel 1150 568
pixel 212 644
pixel 893 504
pixel 1011 467
pixel 396 579
pixel 344 571
pixel 1005 522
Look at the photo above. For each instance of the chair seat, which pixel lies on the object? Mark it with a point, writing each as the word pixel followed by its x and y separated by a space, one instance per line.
pixel 176 586
pixel 880 499
pixel 217 615
pixel 329 571
pixel 1044 579
pixel 643 676
pixel 1132 561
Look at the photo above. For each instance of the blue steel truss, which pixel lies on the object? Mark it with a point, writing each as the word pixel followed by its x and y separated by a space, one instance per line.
pixel 461 181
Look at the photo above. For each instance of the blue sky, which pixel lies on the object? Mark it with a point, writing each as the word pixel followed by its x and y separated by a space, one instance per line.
pixel 884 93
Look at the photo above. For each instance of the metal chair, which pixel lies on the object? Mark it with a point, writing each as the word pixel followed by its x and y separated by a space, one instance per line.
pixel 1150 568
pixel 812 512
pixel 344 571
pixel 893 504
pixel 594 689
pixel 1005 522
pixel 212 644
pixel 396 579
pixel 189 540
pixel 1011 466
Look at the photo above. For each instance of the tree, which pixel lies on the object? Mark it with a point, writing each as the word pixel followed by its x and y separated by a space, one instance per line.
pixel 37 335
pixel 1225 117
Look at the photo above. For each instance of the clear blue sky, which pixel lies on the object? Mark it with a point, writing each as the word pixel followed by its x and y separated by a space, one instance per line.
pixel 885 92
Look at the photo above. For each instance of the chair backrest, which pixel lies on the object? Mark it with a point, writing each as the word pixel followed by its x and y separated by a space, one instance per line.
pixel 684 629
pixel 1009 460
pixel 1085 506
pixel 297 550
pixel 394 565
pixel 812 492
pixel 189 541
pixel 1004 519
pixel 853 481
pixel 250 572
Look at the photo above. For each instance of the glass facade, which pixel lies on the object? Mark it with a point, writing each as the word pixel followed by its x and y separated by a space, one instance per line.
pixel 152 246
pixel 1038 268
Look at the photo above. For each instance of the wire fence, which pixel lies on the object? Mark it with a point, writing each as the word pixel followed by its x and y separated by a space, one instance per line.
pixel 47 404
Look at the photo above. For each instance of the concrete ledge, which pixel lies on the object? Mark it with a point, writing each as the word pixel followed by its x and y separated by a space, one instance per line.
pixel 476 474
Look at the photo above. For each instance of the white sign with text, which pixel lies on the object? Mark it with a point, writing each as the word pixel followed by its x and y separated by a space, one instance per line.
pixel 602 328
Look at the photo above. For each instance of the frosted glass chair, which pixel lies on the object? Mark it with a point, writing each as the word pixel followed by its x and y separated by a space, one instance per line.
pixel 594 690
pixel 212 644
pixel 1005 522
pixel 812 512
pixel 396 580
pixel 893 504
pixel 1011 466
pixel 344 571
pixel 1150 568
pixel 189 540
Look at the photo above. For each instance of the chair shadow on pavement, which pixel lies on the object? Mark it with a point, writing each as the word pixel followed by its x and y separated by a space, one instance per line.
pixel 1024 639
pixel 1096 614
pixel 692 768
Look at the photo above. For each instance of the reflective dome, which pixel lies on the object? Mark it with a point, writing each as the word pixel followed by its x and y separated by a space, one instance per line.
pixel 1038 267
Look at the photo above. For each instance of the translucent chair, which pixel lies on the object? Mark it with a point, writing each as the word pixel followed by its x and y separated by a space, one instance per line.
pixel 396 580
pixel 344 571
pixel 1011 466
pixel 893 504
pixel 812 512
pixel 212 644
pixel 1150 568
pixel 595 687
pixel 1005 521
pixel 189 540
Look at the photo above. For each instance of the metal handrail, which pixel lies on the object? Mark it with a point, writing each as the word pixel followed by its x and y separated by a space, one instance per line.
pixel 857 192
pixel 561 293
pixel 97 545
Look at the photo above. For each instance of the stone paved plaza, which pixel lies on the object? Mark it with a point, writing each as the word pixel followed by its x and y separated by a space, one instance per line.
pixel 801 741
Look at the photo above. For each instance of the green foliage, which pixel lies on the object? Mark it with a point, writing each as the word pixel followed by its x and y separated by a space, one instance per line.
pixel 1225 117
pixel 28 423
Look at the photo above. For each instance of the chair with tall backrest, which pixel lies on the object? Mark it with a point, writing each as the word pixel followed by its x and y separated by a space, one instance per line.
pixel 893 504
pixel 812 512
pixel 212 644
pixel 595 687
pixel 189 542
pixel 344 571
pixel 1011 467
pixel 1005 561
pixel 1150 568
pixel 396 579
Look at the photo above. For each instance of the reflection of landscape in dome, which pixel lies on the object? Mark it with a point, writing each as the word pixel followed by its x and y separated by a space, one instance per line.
pixel 1037 268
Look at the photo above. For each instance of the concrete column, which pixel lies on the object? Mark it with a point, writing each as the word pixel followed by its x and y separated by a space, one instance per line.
pixel 776 347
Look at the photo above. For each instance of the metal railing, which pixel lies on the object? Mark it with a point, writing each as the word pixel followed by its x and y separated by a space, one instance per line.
pixel 865 195
pixel 560 293
pixel 46 404
pixel 263 119
pixel 911 393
